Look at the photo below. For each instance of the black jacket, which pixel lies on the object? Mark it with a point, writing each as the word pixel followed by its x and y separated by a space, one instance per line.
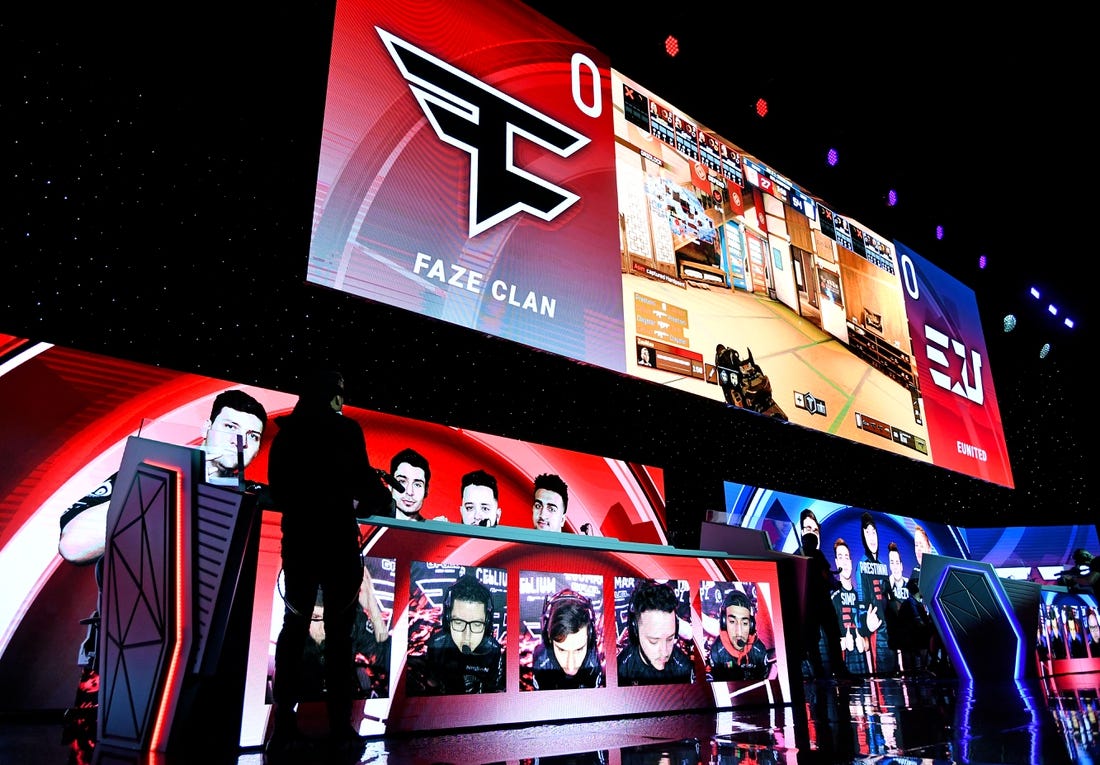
pixel 444 669
pixel 549 676
pixel 318 470
pixel 634 669
pixel 751 664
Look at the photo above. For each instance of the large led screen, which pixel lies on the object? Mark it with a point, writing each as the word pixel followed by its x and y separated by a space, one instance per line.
pixel 740 286
pixel 72 415
pixel 1033 553
pixel 964 420
pixel 1067 646
pixel 877 557
pixel 641 626
pixel 502 176
pixel 71 412
pixel 466 173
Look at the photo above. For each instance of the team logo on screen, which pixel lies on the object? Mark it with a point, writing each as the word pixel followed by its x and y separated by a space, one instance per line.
pixel 938 342
pixel 485 123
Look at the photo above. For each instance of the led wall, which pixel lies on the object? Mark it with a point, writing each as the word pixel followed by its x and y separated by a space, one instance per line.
pixel 1033 553
pixel 72 413
pixel 466 173
pixel 878 558
pixel 503 177
pixel 416 568
pixel 1068 637
pixel 740 286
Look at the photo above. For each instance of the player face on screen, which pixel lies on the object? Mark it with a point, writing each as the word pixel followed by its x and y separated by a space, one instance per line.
pixel 895 566
pixel 657 636
pixel 467 624
pixel 844 563
pixel 809 526
pixel 870 538
pixel 479 506
pixel 220 442
pixel 548 510
pixel 738 625
pixel 411 500
pixel 921 545
pixel 571 651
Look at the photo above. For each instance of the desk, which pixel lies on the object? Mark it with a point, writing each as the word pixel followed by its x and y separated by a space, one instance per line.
pixel 519 563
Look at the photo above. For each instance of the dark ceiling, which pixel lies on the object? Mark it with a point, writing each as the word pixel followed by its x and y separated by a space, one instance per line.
pixel 160 174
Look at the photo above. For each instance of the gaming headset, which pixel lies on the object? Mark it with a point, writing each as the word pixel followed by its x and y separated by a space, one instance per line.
pixel 567 596
pixel 482 595
pixel 737 598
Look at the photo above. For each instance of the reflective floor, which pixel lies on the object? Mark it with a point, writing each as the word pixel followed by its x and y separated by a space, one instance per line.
pixel 874 721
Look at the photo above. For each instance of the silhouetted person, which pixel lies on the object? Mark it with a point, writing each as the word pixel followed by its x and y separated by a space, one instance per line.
pixel 820 614
pixel 320 476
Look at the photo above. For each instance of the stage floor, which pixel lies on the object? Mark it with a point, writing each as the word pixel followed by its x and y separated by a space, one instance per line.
pixel 923 720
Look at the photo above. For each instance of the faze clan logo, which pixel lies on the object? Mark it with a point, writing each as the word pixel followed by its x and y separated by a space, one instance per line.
pixel 484 122
pixel 938 342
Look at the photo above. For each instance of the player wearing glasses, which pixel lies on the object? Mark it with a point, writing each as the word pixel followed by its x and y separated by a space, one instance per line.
pixel 463 656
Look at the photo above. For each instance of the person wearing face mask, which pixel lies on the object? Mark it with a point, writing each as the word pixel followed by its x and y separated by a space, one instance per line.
pixel 320 549
pixel 821 627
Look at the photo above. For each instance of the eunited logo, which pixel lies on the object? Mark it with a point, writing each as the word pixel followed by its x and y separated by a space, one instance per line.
pixel 485 123
pixel 970 384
